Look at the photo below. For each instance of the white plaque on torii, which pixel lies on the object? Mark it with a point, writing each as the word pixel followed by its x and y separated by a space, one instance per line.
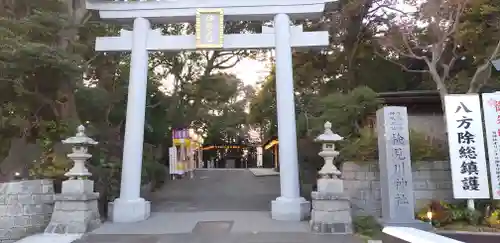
pixel 209 28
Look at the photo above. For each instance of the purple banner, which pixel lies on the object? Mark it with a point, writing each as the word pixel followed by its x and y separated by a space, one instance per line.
pixel 180 133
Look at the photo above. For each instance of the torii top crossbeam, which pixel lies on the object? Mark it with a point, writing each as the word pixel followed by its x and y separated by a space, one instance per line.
pixel 175 11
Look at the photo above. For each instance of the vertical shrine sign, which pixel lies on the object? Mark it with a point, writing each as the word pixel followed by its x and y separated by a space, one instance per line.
pixel 209 28
pixel 396 182
pixel 491 111
pixel 466 144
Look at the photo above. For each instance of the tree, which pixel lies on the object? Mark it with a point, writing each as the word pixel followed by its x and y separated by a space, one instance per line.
pixel 351 60
pixel 47 45
pixel 442 34
pixel 35 47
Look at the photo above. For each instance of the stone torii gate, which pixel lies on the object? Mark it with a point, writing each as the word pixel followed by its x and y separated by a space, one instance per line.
pixel 209 16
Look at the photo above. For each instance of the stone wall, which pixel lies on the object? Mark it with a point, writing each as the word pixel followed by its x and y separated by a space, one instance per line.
pixel 431 180
pixel 25 208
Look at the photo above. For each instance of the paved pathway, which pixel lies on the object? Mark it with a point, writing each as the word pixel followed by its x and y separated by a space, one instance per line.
pixel 216 206
pixel 228 238
pixel 186 222
pixel 218 190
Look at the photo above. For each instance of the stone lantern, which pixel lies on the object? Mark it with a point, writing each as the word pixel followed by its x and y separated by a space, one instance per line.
pixel 331 207
pixel 79 153
pixel 328 152
pixel 76 210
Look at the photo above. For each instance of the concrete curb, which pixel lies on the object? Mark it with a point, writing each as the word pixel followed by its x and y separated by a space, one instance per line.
pixel 466 232
pixel 51 238
pixel 258 172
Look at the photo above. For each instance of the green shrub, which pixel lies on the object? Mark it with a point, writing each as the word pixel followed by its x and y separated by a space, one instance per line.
pixel 51 164
pixel 153 172
pixel 494 219
pixel 365 147
pixel 106 173
pixel 346 111
pixel 473 217
pixel 424 149
pixel 362 148
pixel 444 213
pixel 366 225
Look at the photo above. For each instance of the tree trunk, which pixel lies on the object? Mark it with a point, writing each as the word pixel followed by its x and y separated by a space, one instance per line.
pixel 21 155
pixel 77 15
pixel 67 105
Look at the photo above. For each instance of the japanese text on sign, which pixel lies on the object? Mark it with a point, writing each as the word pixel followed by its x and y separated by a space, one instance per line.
pixel 396 184
pixel 399 158
pixel 467 150
pixel 491 110
pixel 209 35
pixel 209 28
pixel 467 154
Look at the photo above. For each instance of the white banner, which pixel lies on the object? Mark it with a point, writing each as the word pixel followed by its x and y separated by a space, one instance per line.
pixel 181 163
pixel 491 110
pixel 465 139
pixel 172 153
pixel 259 157
pixel 189 161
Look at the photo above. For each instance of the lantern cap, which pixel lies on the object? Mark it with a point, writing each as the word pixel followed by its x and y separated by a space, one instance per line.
pixel 80 137
pixel 328 135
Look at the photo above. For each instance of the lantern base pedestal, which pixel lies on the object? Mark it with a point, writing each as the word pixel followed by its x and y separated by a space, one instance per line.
pixel 290 209
pixel 330 185
pixel 331 213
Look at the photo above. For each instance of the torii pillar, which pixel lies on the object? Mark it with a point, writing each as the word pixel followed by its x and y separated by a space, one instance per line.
pixel 210 16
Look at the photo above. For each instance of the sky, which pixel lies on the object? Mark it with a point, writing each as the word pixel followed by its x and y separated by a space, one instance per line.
pixel 250 71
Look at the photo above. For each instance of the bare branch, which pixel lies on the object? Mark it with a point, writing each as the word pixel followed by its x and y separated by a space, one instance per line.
pixel 154 105
pixel 398 50
pixel 483 72
pixel 445 35
pixel 387 6
pixel 405 68
pixel 456 20
pixel 406 42
pixel 223 61
pixel 447 68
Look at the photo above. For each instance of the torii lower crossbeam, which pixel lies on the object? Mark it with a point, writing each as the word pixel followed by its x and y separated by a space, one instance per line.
pixel 158 42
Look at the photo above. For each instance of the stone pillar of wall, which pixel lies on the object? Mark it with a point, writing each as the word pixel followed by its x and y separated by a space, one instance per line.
pixel 431 181
pixel 25 208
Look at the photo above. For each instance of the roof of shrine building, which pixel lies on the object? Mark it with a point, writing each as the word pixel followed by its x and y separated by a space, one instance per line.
pixel 163 11
pixel 420 101
pixel 420 97
pixel 414 96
